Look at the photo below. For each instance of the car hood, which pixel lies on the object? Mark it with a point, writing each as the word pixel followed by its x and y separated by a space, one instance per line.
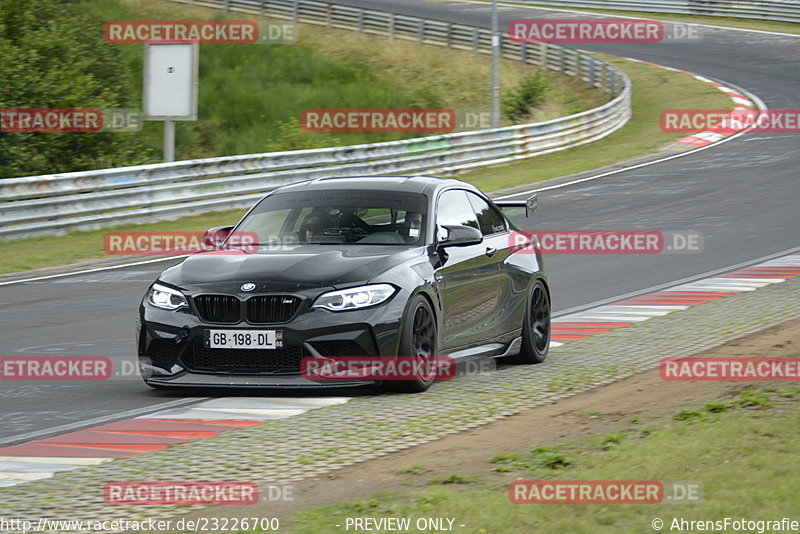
pixel 303 267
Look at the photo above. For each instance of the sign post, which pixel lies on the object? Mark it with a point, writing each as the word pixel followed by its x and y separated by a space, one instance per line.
pixel 170 86
pixel 496 66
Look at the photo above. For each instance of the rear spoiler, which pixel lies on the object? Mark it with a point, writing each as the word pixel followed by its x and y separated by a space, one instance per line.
pixel 530 205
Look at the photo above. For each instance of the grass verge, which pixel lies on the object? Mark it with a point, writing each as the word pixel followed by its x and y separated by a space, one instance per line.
pixel 741 452
pixel 49 251
pixel 251 96
pixel 654 89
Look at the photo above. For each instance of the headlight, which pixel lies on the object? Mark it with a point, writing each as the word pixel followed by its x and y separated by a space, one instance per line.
pixel 354 298
pixel 166 298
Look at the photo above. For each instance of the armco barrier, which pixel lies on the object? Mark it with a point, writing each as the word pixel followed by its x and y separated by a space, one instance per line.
pixel 779 10
pixel 53 204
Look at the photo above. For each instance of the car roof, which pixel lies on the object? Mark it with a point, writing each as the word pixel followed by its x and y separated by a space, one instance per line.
pixel 426 185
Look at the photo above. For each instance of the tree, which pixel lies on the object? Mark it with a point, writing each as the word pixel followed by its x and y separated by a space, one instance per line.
pixel 52 55
pixel 520 102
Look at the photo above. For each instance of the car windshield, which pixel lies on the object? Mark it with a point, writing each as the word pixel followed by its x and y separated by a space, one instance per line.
pixel 338 217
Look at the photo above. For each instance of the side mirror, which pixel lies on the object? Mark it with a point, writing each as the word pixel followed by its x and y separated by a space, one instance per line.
pixel 214 237
pixel 461 236
pixel 530 205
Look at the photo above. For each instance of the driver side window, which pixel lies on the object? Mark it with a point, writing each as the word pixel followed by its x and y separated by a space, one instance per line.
pixel 454 208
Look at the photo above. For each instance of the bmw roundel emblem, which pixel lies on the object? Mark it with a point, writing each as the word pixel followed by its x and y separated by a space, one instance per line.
pixel 248 286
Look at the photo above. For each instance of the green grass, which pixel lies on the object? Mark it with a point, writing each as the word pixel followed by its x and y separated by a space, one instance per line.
pixel 731 22
pixel 654 89
pixel 47 251
pixel 743 458
pixel 251 96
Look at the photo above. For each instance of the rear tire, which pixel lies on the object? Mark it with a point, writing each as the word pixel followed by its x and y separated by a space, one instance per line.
pixel 418 341
pixel 536 328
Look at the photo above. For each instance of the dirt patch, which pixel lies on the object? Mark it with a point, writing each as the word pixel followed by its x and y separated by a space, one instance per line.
pixel 601 411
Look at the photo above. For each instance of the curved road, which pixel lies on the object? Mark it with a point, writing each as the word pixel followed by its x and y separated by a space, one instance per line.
pixel 742 196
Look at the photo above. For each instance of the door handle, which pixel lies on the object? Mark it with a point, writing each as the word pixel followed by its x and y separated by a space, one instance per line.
pixel 490 251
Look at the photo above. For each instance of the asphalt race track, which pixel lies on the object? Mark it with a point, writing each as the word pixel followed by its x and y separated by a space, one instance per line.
pixel 741 196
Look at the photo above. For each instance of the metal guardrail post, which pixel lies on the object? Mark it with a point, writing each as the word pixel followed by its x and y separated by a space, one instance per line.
pixel 421 31
pixel 544 56
pixel 295 11
pixel 360 27
pixel 227 5
pixel 391 25
pixel 476 36
pixel 561 61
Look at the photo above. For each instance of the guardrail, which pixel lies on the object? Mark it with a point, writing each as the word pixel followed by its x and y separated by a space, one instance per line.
pixel 53 204
pixel 787 10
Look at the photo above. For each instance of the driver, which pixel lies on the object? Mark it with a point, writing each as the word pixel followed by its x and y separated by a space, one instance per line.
pixel 311 228
pixel 414 223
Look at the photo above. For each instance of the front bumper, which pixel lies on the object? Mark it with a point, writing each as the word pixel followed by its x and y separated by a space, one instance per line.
pixel 172 349
pixel 190 379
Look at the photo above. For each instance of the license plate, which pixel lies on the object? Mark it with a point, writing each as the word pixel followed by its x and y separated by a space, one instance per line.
pixel 244 339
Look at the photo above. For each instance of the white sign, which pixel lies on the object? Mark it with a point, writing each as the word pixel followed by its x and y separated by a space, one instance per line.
pixel 170 81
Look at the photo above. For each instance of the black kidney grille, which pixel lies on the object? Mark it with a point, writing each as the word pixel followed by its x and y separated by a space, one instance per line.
pixel 244 361
pixel 271 308
pixel 218 308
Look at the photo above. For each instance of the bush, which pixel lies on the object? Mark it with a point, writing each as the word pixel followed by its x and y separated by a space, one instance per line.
pixel 53 56
pixel 519 103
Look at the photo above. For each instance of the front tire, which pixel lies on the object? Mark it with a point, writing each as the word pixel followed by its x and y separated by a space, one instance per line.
pixel 417 341
pixel 536 329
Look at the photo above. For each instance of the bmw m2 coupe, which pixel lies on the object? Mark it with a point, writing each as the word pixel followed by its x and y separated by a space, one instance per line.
pixel 386 267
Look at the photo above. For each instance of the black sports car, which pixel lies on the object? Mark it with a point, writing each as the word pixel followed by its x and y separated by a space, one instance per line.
pixel 418 267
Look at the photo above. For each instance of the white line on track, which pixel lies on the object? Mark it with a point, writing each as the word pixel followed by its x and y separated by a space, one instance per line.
pixel 771 259
pixel 94 270
pixel 756 99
